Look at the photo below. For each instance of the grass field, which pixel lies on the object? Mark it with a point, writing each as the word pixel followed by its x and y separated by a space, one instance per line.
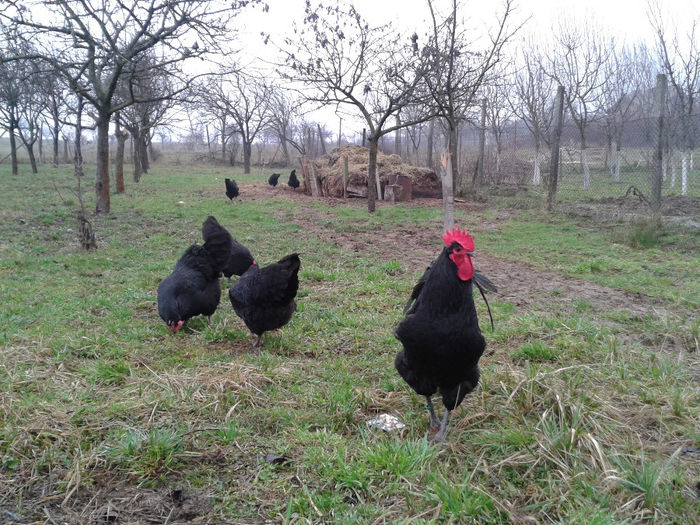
pixel 587 412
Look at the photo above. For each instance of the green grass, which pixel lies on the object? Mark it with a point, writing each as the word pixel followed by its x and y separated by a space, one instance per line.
pixel 581 414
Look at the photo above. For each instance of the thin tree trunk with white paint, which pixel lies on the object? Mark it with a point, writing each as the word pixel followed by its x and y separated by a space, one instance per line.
pixel 536 177
pixel 673 175
pixel 586 169
pixel 684 174
pixel 618 164
pixel 664 168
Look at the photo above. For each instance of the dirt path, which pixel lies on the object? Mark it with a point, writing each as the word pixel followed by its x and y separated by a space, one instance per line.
pixel 526 287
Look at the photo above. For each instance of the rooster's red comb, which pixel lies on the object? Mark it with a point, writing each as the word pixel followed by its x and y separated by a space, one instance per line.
pixel 460 236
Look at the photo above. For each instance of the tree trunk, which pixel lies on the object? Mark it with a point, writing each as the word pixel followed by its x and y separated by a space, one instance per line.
pixel 431 135
pixel 143 150
pixel 285 152
pixel 136 153
pixel 206 129
pixel 618 162
pixel 77 147
pixel 66 151
pixel 102 173
pixel 119 157
pixel 536 176
pixel 554 157
pixel 223 140
pixel 397 139
pixel 479 173
pixel 247 152
pixel 448 202
pixel 498 162
pixel 684 173
pixel 32 159
pixel 320 139
pixel 56 124
pixel 673 174
pixel 456 182
pixel 609 155
pixel 41 143
pixel 13 147
pixel 372 173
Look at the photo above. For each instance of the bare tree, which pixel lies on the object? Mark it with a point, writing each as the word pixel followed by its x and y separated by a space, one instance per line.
pixel 625 77
pixel 498 114
pixel 531 100
pixel 340 59
pixel 284 114
pixel 14 74
pixel 247 103
pixel 460 63
pixel 215 104
pixel 32 102
pixel 152 86
pixel 578 64
pixel 680 59
pixel 56 93
pixel 91 43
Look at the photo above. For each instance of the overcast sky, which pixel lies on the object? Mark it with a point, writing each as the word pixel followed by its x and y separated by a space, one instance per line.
pixel 626 20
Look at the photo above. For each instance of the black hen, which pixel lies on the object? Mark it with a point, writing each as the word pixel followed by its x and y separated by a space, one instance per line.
pixel 231 189
pixel 440 333
pixel 272 181
pixel 264 297
pixel 239 261
pixel 293 181
pixel 193 286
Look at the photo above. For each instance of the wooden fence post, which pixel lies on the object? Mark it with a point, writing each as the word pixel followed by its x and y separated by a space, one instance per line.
pixel 345 176
pixel 315 192
pixel 556 137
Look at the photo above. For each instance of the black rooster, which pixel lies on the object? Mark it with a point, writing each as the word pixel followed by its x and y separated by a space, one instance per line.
pixel 193 286
pixel 293 181
pixel 264 297
pixel 272 181
pixel 231 189
pixel 442 342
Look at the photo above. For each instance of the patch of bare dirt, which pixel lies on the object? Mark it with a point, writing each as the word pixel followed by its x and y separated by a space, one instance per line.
pixel 524 286
pixel 114 501
pixel 675 210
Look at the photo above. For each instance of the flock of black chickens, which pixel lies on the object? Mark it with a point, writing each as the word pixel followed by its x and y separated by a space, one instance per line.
pixel 440 334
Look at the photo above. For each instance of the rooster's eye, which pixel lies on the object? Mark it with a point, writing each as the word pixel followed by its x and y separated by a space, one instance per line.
pixel 457 249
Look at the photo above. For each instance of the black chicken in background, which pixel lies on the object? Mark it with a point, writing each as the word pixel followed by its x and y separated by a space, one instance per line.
pixel 442 342
pixel 231 189
pixel 272 181
pixel 264 297
pixel 293 181
pixel 193 286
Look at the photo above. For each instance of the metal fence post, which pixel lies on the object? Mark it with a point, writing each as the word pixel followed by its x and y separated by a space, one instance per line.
pixel 657 174
pixel 556 136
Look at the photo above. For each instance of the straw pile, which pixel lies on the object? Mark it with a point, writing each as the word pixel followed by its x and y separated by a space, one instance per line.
pixel 329 170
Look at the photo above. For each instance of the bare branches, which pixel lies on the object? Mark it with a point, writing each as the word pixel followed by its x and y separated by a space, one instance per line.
pixel 96 46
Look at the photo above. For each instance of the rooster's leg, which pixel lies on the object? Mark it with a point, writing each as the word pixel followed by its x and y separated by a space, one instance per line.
pixel 258 343
pixel 434 421
pixel 440 436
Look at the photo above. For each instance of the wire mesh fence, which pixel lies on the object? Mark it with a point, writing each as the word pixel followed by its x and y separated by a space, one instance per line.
pixel 601 170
